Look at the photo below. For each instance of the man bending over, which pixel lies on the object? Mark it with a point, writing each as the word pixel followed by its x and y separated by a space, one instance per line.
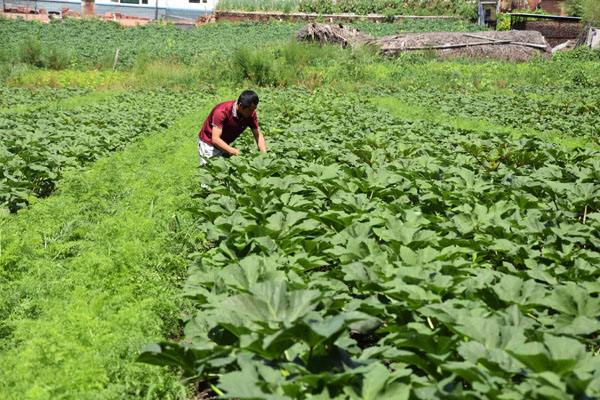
pixel 224 125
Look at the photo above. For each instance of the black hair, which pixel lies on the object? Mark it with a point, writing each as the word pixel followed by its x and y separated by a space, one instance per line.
pixel 248 98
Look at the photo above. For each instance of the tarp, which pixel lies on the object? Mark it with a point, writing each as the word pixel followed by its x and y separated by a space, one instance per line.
pixel 593 38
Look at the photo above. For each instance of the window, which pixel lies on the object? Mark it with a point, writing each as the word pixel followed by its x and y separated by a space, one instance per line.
pixel 194 1
pixel 130 1
pixel 144 1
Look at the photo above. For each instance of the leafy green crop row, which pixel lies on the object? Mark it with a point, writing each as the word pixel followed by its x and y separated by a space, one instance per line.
pixel 37 146
pixel 368 257
pixel 573 112
pixel 15 97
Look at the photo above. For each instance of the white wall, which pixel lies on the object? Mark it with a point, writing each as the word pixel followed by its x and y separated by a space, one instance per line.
pixel 207 5
pixel 201 5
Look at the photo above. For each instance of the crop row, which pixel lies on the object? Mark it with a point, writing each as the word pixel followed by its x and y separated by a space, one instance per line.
pixel 573 113
pixel 16 97
pixel 39 145
pixel 369 257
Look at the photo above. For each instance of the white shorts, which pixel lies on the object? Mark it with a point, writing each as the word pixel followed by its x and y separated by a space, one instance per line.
pixel 206 151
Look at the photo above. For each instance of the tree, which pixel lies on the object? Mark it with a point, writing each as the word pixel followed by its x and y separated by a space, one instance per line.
pixel 591 11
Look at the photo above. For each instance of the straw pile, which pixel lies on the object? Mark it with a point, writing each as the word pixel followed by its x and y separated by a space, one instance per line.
pixel 510 46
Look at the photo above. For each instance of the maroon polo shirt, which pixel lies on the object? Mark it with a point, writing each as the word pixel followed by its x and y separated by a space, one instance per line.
pixel 223 116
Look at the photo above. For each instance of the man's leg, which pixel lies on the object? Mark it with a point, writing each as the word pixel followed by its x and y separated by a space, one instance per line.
pixel 203 153
pixel 206 151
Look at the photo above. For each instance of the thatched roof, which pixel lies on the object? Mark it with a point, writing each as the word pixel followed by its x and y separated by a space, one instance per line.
pixel 511 45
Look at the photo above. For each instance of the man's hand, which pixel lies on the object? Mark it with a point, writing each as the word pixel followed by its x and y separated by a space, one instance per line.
pixel 260 140
pixel 220 143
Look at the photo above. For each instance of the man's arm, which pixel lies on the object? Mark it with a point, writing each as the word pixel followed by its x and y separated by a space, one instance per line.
pixel 260 140
pixel 220 143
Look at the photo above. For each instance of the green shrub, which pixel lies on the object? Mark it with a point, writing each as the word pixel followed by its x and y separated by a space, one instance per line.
pixel 582 53
pixel 253 65
pixel 297 64
pixel 591 11
pixel 503 22
pixel 358 6
pixel 56 58
pixel 178 77
pixel 105 60
pixel 142 60
pixel 575 7
pixel 259 5
pixel 317 6
pixel 294 54
pixel 31 52
pixel 5 71
pixel 5 55
pixel 466 10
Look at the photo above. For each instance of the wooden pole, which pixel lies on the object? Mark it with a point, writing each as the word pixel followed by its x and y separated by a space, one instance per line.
pixel 537 46
pixel 447 46
pixel 534 45
pixel 116 59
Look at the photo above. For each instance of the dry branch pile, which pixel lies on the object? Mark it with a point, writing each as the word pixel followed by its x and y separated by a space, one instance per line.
pixel 512 45
pixel 337 34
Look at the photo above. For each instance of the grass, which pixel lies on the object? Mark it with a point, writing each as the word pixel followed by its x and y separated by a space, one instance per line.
pixel 66 104
pixel 155 74
pixel 362 7
pixel 93 79
pixel 259 5
pixel 89 276
pixel 289 63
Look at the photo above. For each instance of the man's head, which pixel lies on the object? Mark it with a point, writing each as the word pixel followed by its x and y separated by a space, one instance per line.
pixel 247 103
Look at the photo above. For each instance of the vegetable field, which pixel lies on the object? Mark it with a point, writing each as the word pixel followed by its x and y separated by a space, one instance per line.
pixel 573 111
pixel 367 257
pixel 82 44
pixel 419 229
pixel 40 143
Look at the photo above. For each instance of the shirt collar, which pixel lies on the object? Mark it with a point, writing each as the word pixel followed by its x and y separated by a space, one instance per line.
pixel 234 110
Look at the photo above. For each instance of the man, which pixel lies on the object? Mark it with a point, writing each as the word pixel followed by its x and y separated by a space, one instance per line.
pixel 225 123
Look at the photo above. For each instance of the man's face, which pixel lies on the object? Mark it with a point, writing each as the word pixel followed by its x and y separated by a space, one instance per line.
pixel 246 112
